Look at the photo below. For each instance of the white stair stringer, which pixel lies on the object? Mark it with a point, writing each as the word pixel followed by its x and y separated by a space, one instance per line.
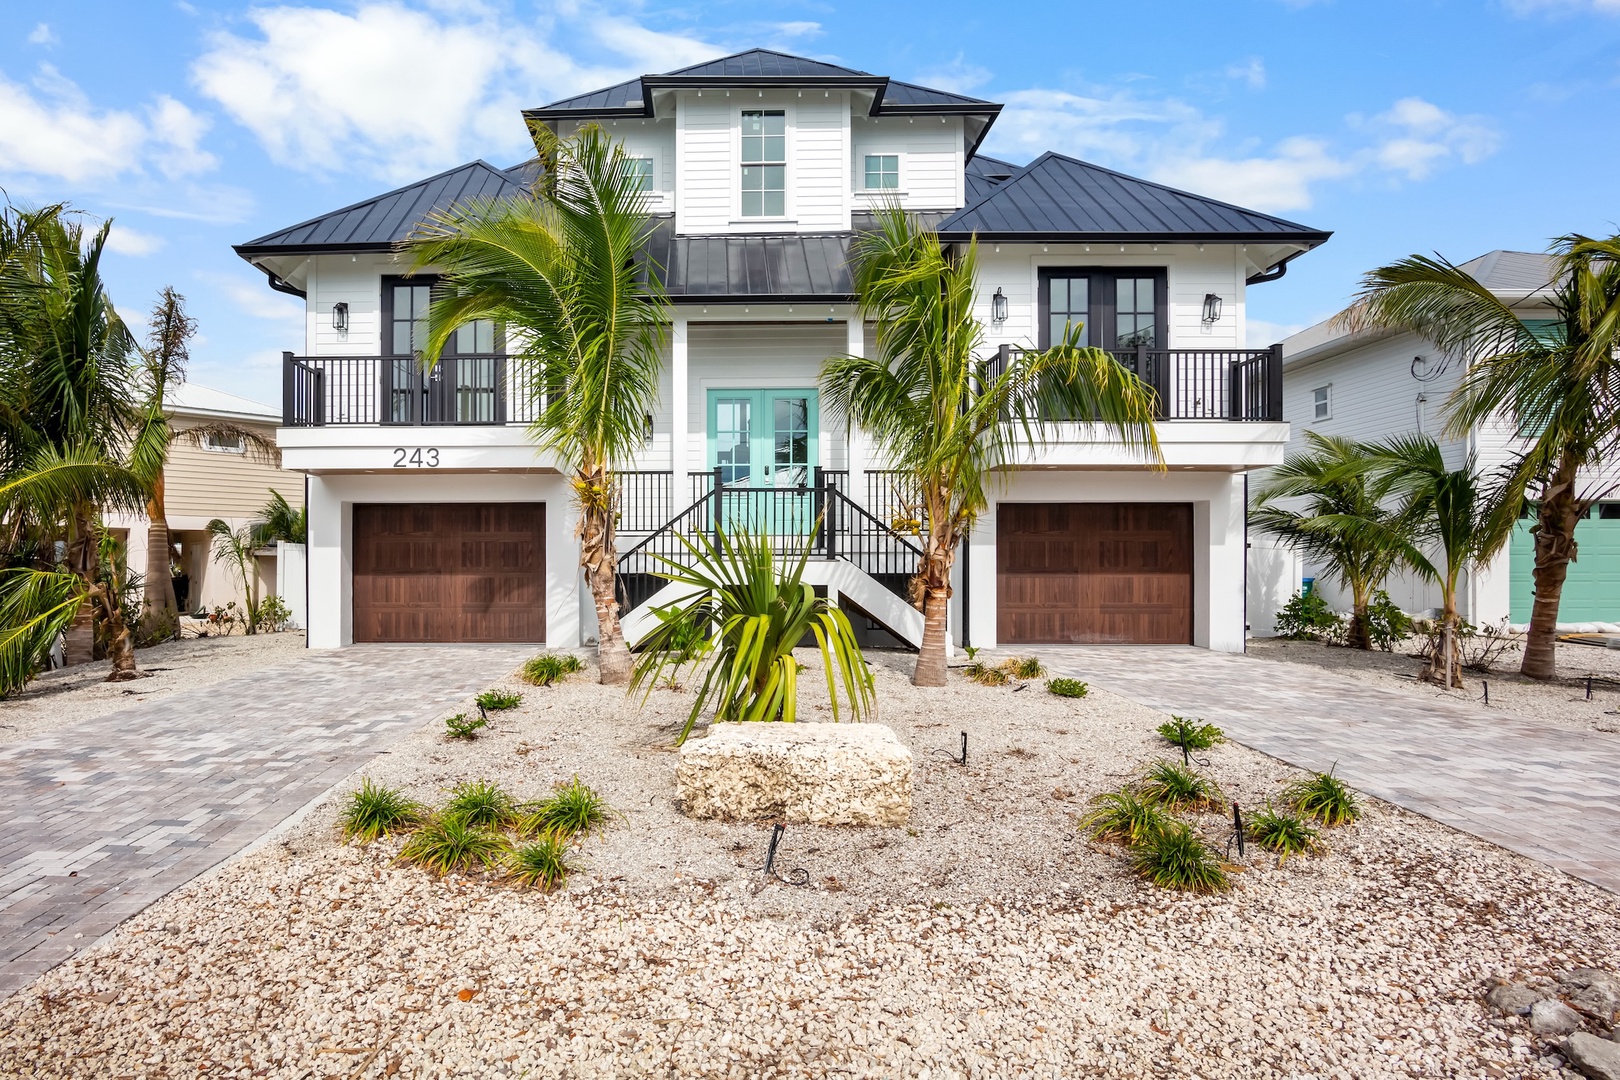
pixel 842 579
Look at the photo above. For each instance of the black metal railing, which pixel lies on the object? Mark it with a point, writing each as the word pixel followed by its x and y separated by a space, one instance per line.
pixel 820 514
pixel 322 391
pixel 1197 384
pixel 646 499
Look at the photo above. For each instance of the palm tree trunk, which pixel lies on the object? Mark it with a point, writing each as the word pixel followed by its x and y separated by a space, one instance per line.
pixel 120 640
pixel 79 643
pixel 935 575
pixel 1555 550
pixel 599 559
pixel 158 604
pixel 1357 637
pixel 1445 665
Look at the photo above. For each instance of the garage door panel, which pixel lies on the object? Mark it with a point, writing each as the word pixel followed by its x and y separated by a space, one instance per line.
pixel 449 572
pixel 1094 573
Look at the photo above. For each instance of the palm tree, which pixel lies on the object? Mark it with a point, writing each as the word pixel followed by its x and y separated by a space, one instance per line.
pixel 235 547
pixel 279 521
pixel 945 418
pixel 1342 523
pixel 565 271
pixel 1448 509
pixel 164 366
pixel 1558 390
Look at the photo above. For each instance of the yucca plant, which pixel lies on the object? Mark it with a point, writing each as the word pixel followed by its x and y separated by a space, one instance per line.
pixel 1323 797
pixel 542 865
pixel 744 614
pixel 445 844
pixel 549 668
pixel 482 805
pixel 1286 834
pixel 571 810
pixel 375 811
pixel 1123 816
pixel 1070 688
pixel 1175 857
pixel 1183 733
pixel 1178 787
pixel 497 700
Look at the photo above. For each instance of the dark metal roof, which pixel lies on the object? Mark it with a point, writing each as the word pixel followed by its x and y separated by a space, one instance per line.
pixel 985 174
pixel 1060 198
pixel 903 96
pixel 378 223
pixel 766 64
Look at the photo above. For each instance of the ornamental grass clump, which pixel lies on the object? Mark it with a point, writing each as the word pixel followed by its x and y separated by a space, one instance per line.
pixel 1186 734
pixel 1177 787
pixel 1325 798
pixel 1124 817
pixel 548 669
pixel 1283 833
pixel 1069 688
pixel 481 805
pixel 462 726
pixel 1024 667
pixel 374 812
pixel 572 809
pixel 447 844
pixel 1175 857
pixel 986 674
pixel 543 864
pixel 498 700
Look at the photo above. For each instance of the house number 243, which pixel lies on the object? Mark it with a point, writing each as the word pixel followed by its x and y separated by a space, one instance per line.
pixel 418 458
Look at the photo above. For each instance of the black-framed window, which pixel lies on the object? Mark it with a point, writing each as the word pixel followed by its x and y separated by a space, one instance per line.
pixel 1117 308
pixel 465 387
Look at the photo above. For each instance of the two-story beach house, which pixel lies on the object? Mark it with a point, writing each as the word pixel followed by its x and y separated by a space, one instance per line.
pixel 433 518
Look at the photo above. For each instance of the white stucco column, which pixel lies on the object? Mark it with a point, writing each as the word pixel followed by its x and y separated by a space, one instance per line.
pixel 857 445
pixel 679 462
pixel 331 589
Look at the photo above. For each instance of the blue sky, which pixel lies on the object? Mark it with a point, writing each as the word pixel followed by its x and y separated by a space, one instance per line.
pixel 1416 126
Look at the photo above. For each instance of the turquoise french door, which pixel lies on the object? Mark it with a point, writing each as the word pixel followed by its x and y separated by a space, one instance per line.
pixel 766 444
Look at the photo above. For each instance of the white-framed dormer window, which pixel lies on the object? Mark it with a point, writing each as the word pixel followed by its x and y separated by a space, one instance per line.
pixel 224 443
pixel 641 172
pixel 882 172
pixel 764 163
pixel 1322 402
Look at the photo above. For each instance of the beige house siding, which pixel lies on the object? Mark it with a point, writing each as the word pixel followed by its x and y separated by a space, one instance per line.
pixel 212 483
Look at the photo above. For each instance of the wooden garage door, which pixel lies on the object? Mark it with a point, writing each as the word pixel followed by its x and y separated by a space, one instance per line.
pixel 1094 573
pixel 450 572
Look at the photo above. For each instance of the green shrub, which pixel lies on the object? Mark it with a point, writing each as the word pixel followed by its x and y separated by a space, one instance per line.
pixel 377 811
pixel 1323 797
pixel 1024 667
pixel 1067 687
pixel 571 810
pixel 497 700
pixel 1307 617
pixel 1123 816
pixel 1179 731
pixel 481 805
pixel 446 843
pixel 549 668
pixel 1387 624
pixel 1282 833
pixel 542 865
pixel 1175 857
pixel 1178 788
pixel 460 726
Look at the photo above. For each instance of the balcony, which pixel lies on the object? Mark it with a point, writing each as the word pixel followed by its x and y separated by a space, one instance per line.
pixel 1199 384
pixel 326 391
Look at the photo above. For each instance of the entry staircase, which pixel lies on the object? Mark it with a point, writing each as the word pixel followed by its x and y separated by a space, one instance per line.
pixel 864 564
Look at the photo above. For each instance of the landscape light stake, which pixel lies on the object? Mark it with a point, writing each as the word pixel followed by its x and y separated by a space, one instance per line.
pixel 797 876
pixel 1589 688
pixel 1486 684
pixel 959 760
pixel 1237 832
pixel 482 715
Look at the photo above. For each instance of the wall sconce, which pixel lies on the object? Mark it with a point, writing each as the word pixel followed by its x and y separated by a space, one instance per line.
pixel 646 429
pixel 998 306
pixel 340 317
pixel 1212 308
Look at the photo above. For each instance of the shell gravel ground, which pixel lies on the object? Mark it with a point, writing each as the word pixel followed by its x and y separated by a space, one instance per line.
pixel 1563 700
pixel 986 939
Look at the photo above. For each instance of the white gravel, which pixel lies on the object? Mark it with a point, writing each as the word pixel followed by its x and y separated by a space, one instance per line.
pixel 986 939
pixel 1563 700
pixel 68 695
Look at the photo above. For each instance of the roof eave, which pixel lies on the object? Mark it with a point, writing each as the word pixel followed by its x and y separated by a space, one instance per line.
pixel 760 298
pixel 607 111
pixel 1309 240
pixel 248 251
pixel 723 81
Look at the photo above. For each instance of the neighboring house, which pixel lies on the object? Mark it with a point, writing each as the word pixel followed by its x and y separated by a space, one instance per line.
pixel 1371 386
pixel 433 517
pixel 214 478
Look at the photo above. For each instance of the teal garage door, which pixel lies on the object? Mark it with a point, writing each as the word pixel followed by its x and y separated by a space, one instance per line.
pixel 1592 590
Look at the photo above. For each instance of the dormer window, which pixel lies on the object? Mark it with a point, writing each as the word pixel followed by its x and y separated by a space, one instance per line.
pixel 882 172
pixel 764 163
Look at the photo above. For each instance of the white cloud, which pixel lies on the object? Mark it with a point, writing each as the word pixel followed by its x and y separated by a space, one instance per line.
pixel 127 241
pixel 252 298
pixel 1280 180
pixel 52 130
pixel 1419 136
pixel 1558 7
pixel 1251 72
pixel 393 91
pixel 959 76
pixel 1260 333
pixel 43 35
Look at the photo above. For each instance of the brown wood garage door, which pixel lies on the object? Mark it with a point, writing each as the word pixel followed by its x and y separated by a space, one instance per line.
pixel 450 572
pixel 1094 573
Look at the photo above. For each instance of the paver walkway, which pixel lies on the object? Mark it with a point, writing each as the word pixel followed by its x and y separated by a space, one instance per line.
pixel 1549 792
pixel 107 815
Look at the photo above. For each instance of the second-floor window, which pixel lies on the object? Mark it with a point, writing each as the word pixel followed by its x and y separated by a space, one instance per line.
pixel 464 387
pixel 641 172
pixel 1115 309
pixel 764 163
pixel 882 172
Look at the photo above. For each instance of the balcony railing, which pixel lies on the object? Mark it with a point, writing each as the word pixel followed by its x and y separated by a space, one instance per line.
pixel 1199 384
pixel 320 391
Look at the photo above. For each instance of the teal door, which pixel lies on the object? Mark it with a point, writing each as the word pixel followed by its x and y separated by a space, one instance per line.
pixel 1592 590
pixel 766 443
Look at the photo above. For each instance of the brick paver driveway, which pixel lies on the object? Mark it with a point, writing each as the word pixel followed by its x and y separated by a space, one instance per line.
pixel 107 815
pixel 1549 792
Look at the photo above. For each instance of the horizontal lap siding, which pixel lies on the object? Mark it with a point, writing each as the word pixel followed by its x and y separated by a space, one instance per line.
pixel 704 185
pixel 932 158
pixel 213 483
pixel 818 176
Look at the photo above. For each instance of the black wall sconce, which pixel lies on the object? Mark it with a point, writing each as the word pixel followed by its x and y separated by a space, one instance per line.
pixel 646 429
pixel 1212 308
pixel 998 306
pixel 340 317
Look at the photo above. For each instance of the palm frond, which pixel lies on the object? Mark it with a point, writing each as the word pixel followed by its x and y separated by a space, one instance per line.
pixel 36 607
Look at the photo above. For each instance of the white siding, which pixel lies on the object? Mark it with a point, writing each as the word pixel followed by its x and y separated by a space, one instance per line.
pixel 651 139
pixel 818 169
pixel 932 156
pixel 704 162
pixel 357 281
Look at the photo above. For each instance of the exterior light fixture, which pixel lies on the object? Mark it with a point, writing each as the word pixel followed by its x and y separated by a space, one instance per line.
pixel 340 317
pixel 1212 308
pixel 646 429
pixel 998 306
